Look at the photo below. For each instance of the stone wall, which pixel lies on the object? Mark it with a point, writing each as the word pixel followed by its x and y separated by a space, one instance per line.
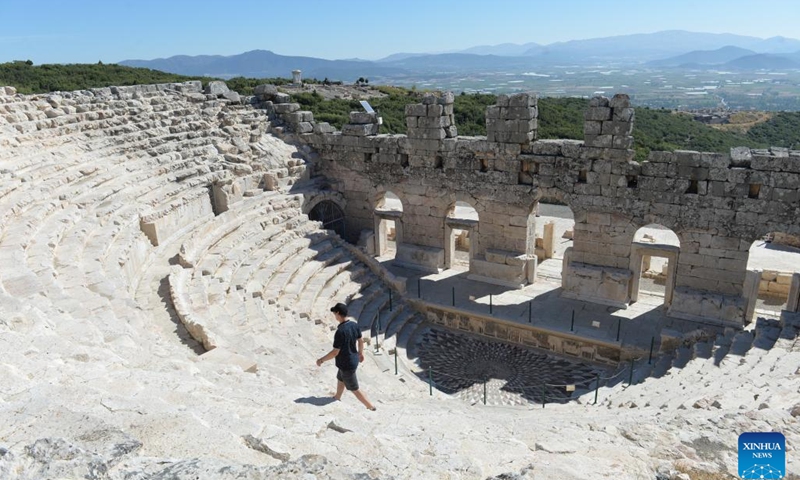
pixel 716 203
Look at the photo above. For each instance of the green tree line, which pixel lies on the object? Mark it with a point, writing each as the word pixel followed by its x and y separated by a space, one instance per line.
pixel 654 129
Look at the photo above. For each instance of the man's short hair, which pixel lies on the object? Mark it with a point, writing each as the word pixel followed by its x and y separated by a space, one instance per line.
pixel 340 308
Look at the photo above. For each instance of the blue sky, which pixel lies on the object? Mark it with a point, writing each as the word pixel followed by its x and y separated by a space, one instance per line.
pixel 49 31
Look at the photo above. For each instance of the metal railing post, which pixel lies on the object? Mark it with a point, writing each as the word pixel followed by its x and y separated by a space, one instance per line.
pixel 596 387
pixel 395 360
pixel 377 330
pixel 544 396
pixel 430 380
pixel 419 287
pixel 454 296
pixel 652 344
pixel 630 378
pixel 490 304
pixel 572 325
pixel 619 326
pixel 530 310
pixel 484 392
pixel 390 300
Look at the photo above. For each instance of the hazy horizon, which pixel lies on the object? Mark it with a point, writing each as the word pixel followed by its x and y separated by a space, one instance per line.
pixel 79 32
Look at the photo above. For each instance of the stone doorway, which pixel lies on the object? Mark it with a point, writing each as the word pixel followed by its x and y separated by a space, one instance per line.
pixel 461 236
pixel 388 225
pixel 654 263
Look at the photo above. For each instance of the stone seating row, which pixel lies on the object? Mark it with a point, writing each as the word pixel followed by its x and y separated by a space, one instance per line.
pixel 237 260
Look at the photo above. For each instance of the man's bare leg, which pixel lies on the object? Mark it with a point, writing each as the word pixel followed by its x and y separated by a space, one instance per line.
pixel 361 398
pixel 339 390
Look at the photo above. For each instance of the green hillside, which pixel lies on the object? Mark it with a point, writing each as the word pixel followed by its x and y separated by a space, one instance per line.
pixel 558 117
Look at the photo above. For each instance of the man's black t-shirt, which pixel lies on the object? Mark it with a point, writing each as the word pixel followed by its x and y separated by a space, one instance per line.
pixel 345 339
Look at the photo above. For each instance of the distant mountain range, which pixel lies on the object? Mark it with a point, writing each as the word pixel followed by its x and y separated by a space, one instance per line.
pixel 264 63
pixel 731 58
pixel 667 49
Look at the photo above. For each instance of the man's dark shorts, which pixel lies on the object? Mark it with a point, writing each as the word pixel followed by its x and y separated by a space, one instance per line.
pixel 348 377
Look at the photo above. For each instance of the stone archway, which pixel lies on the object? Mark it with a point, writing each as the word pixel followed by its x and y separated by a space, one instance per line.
pixel 330 215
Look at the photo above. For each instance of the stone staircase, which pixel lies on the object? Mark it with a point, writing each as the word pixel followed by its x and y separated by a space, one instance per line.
pixel 265 253
pixel 731 370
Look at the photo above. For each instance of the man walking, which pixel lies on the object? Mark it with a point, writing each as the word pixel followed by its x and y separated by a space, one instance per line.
pixel 347 354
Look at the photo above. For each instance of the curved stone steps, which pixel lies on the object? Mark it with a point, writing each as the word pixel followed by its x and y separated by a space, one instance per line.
pixel 388 316
pixel 405 337
pixel 397 323
pixel 249 236
pixel 329 283
pixel 730 360
pixel 290 294
pixel 282 265
pixel 368 292
pixel 236 256
pixel 223 224
pixel 257 275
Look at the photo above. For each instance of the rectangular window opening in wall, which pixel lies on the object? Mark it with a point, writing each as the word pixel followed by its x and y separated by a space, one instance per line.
pixel 633 181
pixel 692 187
pixel 404 160
pixel 484 165
pixel 582 176
pixel 367 157
pixel 439 162
pixel 755 189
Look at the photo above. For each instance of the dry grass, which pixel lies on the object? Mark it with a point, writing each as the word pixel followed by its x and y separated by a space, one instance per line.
pixel 741 122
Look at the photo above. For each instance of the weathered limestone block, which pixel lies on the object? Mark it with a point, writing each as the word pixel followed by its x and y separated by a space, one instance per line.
pixel 281 108
pixel 597 114
pixel 280 97
pixel 232 96
pixel 160 225
pixel 417 257
pixel 360 130
pixel 617 128
pixel 303 127
pixel 693 304
pixel 604 285
pixel 514 276
pixel 265 90
pixel 624 115
pixel 323 128
pixel 599 141
pixel 522 100
pixel 359 118
pixel 427 133
pixel 416 110
pixel 216 87
pixel 434 110
pixel 741 157
pixel 620 101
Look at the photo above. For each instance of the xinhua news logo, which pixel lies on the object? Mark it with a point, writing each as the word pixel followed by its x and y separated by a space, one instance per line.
pixel 762 455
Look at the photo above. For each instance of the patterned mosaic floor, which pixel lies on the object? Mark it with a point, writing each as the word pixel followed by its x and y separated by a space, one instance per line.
pixel 513 375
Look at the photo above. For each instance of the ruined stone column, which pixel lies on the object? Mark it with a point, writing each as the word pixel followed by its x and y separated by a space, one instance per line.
pixel 514 119
pixel 793 304
pixel 752 280
pixel 433 119
pixel 608 127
